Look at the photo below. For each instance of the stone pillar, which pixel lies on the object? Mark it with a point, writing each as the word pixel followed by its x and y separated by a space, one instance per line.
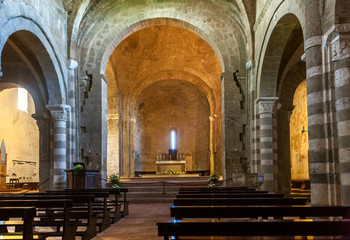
pixel 131 148
pixel 320 139
pixel 232 126
pixel 113 144
pixel 43 123
pixel 211 142
pixel 126 146
pixel 266 107
pixel 59 119
pixel 341 58
pixel 283 174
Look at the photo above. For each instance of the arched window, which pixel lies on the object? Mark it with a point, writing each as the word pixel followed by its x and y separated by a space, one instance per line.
pixel 22 103
pixel 173 138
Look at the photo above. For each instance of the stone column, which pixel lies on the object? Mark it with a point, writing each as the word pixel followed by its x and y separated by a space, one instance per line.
pixel 211 142
pixel 43 123
pixel 232 115
pixel 131 148
pixel 340 48
pixel 59 119
pixel 266 107
pixel 320 140
pixel 126 146
pixel 113 144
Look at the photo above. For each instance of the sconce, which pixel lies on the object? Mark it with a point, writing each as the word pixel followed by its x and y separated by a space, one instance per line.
pixel 303 130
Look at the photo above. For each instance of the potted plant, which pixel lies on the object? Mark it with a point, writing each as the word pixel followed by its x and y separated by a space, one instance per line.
pixel 78 168
pixel 114 180
pixel 213 178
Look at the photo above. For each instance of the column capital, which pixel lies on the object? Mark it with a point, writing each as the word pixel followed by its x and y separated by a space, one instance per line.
pixel 212 118
pixel 312 41
pixel 226 75
pixel 266 104
pixel 58 111
pixel 113 116
pixel 72 64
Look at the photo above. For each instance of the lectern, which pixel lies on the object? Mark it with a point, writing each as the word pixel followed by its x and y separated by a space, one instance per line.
pixel 86 179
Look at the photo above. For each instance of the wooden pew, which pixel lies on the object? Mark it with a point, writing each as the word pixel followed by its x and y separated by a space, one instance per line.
pixel 229 195
pixel 27 214
pixel 218 190
pixel 238 201
pixel 301 211
pixel 82 217
pixel 253 228
pixel 114 201
pixel 83 209
pixel 63 205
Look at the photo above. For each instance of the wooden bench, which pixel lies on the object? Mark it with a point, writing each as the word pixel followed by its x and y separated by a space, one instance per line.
pixel 238 201
pixel 229 195
pixel 27 214
pixel 83 216
pixel 43 205
pixel 253 228
pixel 121 208
pixel 280 212
pixel 101 211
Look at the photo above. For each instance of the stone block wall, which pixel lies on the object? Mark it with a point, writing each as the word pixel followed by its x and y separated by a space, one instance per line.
pixel 172 104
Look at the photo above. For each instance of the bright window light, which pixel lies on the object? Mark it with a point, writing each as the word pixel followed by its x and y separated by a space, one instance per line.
pixel 22 99
pixel 172 139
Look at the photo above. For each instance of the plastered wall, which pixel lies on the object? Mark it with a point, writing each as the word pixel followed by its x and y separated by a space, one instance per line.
pixel 298 140
pixel 21 135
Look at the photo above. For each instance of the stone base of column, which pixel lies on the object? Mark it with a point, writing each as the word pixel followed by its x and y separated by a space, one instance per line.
pixel 245 180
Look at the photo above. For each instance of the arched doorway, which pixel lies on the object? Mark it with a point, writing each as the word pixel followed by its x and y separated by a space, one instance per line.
pixel 299 141
pixel 281 72
pixel 168 63
pixel 20 134
pixel 26 62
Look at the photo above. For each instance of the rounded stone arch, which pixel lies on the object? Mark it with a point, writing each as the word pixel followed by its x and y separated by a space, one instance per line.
pixel 280 27
pixel 176 75
pixel 155 22
pixel 98 40
pixel 53 67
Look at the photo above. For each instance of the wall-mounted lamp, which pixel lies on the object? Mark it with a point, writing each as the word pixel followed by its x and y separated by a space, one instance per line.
pixel 303 130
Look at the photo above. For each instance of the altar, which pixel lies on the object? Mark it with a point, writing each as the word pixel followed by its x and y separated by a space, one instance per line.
pixel 175 165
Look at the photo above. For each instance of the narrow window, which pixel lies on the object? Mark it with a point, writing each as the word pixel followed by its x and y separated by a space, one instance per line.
pixel 173 139
pixel 22 100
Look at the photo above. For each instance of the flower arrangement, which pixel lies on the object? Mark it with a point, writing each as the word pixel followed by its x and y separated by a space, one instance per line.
pixel 213 178
pixel 171 171
pixel 114 180
pixel 78 169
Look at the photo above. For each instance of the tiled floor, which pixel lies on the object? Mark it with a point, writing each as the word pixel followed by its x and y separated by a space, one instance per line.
pixel 140 224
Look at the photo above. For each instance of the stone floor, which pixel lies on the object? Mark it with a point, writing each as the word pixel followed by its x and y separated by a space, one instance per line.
pixel 141 224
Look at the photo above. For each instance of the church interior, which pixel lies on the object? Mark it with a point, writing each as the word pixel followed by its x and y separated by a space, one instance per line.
pixel 256 92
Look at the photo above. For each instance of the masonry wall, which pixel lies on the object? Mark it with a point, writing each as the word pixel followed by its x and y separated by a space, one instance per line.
pixel 21 135
pixel 172 104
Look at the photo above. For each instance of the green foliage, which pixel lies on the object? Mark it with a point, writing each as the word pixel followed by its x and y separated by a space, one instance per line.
pixel 114 180
pixel 213 178
pixel 171 172
pixel 78 169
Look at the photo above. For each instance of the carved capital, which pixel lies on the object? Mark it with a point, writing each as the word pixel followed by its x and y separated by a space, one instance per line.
pixel 312 41
pixel 342 28
pixel 59 111
pixel 112 116
pixel 340 47
pixel 72 64
pixel 266 104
